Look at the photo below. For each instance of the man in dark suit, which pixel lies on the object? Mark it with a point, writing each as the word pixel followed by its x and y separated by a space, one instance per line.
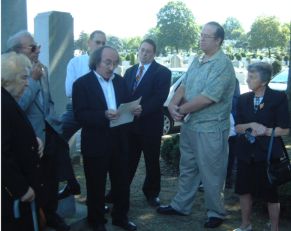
pixel 96 97
pixel 151 81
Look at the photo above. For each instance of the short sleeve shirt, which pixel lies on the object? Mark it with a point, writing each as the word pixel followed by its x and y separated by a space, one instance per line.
pixel 214 79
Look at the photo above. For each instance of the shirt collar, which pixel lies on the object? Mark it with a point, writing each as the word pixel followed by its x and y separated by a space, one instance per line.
pixel 102 79
pixel 213 57
pixel 146 66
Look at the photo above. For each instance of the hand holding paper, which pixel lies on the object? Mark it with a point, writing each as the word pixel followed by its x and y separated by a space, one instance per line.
pixel 137 110
pixel 126 113
pixel 111 114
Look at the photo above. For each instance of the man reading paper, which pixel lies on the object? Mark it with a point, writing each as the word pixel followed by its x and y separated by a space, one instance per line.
pixel 96 97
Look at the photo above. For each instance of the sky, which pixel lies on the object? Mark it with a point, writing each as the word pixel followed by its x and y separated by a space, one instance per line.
pixel 129 18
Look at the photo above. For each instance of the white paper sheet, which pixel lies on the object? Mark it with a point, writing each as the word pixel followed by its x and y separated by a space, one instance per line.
pixel 125 113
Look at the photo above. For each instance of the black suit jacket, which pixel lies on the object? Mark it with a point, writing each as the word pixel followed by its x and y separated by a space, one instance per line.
pixel 19 157
pixel 89 106
pixel 154 88
pixel 273 112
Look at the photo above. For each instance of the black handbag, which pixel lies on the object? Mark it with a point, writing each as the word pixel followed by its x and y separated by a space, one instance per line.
pixel 278 172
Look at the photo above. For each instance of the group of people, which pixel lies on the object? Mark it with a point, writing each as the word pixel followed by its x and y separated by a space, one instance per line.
pixel 36 154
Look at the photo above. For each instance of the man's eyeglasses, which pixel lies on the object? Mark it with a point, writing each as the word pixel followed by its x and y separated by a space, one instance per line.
pixel 100 42
pixel 34 47
pixel 206 36
pixel 110 64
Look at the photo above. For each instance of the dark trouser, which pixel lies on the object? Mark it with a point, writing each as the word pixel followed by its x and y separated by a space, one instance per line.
pixel 96 169
pixel 49 187
pixel 70 125
pixel 24 224
pixel 150 146
pixel 48 200
pixel 231 157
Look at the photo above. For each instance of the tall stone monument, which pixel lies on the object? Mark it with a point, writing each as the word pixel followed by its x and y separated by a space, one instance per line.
pixel 54 32
pixel 13 19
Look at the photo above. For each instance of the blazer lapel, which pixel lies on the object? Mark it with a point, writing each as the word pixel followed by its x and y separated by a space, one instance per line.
pixel 96 88
pixel 116 91
pixel 147 76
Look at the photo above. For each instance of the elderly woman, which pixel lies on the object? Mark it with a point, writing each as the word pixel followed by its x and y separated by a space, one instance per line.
pixel 258 112
pixel 20 147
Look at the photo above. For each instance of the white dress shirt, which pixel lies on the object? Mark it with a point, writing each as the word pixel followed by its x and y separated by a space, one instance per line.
pixel 77 67
pixel 108 91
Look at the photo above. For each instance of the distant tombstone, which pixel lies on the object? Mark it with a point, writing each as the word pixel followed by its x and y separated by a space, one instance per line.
pixel 13 19
pixel 54 32
pixel 175 61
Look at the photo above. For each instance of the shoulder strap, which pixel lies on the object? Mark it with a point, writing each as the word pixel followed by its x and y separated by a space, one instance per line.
pixel 270 146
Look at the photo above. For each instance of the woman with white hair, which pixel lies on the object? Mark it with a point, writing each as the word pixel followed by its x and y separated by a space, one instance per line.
pixel 21 149
pixel 259 112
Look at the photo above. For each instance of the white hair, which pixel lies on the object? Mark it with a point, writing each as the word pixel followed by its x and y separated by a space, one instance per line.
pixel 14 41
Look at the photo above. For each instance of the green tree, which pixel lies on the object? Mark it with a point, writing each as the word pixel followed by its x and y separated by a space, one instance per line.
pixel 115 42
pixel 153 34
pixel 289 77
pixel 285 33
pixel 131 44
pixel 233 29
pixel 177 27
pixel 82 42
pixel 266 33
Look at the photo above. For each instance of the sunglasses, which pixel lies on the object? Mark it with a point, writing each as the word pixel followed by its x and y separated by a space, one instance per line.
pixel 34 47
pixel 99 42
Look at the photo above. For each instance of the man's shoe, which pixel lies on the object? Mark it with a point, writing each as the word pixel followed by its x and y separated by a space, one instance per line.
pixel 154 201
pixel 56 222
pixel 126 225
pixel 72 189
pixel 169 210
pixel 248 228
pixel 213 222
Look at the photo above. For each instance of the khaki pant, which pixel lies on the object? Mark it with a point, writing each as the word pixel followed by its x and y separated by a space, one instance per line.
pixel 204 157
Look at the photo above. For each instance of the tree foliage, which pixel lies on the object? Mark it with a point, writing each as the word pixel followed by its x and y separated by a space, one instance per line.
pixel 131 44
pixel 266 33
pixel 233 29
pixel 285 33
pixel 176 26
pixel 82 42
pixel 115 42
pixel 153 34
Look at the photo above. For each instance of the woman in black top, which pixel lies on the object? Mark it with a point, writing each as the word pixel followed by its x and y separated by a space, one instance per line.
pixel 21 150
pixel 258 112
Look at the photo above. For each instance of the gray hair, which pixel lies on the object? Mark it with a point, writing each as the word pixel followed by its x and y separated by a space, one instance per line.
pixel 264 70
pixel 14 41
pixel 96 57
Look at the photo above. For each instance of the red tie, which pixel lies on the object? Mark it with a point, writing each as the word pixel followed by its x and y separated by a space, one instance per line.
pixel 138 76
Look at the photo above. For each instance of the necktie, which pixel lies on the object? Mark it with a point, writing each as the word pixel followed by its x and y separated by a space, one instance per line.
pixel 138 76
